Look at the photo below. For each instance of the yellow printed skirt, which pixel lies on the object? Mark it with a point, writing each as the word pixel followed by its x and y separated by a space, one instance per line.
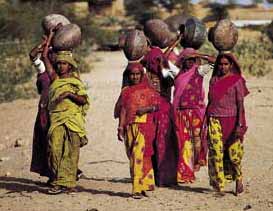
pixel 224 163
pixel 139 149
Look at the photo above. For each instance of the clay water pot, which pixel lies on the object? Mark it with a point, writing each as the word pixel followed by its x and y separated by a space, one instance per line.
pixel 135 45
pixel 195 33
pixel 224 35
pixel 67 37
pixel 159 33
pixel 52 20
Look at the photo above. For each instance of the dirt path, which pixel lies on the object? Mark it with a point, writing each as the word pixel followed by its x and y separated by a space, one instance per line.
pixel 103 160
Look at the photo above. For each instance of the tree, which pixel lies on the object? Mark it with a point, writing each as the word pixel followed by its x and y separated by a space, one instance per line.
pixel 217 12
pixel 143 10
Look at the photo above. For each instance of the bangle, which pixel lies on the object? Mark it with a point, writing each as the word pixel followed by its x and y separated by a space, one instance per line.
pixel 240 125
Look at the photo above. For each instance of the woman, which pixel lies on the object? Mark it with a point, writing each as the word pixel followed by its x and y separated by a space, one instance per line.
pixel 226 123
pixel 137 129
pixel 165 145
pixel 39 147
pixel 189 110
pixel 68 104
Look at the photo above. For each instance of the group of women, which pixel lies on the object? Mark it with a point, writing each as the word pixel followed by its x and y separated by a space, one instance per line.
pixel 167 137
pixel 59 130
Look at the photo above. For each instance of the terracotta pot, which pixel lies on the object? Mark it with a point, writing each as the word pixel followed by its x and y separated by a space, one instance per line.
pixel 53 20
pixel 224 35
pixel 135 45
pixel 195 33
pixel 159 33
pixel 67 37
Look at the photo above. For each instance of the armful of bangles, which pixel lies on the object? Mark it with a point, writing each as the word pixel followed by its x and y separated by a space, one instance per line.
pixel 148 109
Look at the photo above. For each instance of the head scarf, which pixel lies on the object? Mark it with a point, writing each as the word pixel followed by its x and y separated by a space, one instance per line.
pixel 129 68
pixel 67 57
pixel 231 58
pixel 152 60
pixel 184 55
pixel 134 65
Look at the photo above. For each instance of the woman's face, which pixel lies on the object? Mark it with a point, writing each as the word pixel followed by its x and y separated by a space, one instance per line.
pixel 63 67
pixel 224 66
pixel 135 76
pixel 189 63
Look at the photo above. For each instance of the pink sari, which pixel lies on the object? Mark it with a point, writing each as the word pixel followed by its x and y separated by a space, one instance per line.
pixel 187 121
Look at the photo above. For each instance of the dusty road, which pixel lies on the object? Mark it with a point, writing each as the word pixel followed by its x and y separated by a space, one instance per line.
pixel 103 160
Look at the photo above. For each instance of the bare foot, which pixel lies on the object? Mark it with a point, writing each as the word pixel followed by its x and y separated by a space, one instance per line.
pixel 239 187
pixel 196 167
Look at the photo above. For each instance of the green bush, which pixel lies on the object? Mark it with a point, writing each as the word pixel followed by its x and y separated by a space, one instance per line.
pixel 20 30
pixel 252 56
pixel 15 72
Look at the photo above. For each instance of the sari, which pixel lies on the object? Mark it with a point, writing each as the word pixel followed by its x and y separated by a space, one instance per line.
pixel 39 146
pixel 164 161
pixel 189 111
pixel 66 132
pixel 223 117
pixel 139 134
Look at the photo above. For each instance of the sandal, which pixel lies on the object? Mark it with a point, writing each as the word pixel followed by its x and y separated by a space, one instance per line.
pixel 71 191
pixel 239 187
pixel 219 194
pixel 196 168
pixel 79 175
pixel 137 196
pixel 144 193
pixel 55 190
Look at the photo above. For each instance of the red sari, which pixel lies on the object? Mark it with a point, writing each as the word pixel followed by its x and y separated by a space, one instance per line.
pixel 139 132
pixel 165 160
pixel 40 142
pixel 226 125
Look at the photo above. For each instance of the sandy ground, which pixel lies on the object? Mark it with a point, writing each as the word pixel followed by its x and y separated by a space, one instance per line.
pixel 103 160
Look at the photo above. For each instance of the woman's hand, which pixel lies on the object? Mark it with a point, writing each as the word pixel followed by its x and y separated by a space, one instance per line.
pixel 238 132
pixel 141 111
pixel 120 134
pixel 145 110
pixel 62 97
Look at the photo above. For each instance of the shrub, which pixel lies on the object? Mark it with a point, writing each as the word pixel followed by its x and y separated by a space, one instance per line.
pixel 20 30
pixel 252 55
pixel 15 72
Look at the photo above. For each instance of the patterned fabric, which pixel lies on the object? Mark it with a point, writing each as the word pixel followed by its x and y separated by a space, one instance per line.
pixel 189 110
pixel 165 162
pixel 224 103
pixel 188 127
pixel 125 76
pixel 136 97
pixel 184 55
pixel 153 59
pixel 63 156
pixel 139 142
pixel 224 161
pixel 180 84
pixel 39 147
pixel 193 94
